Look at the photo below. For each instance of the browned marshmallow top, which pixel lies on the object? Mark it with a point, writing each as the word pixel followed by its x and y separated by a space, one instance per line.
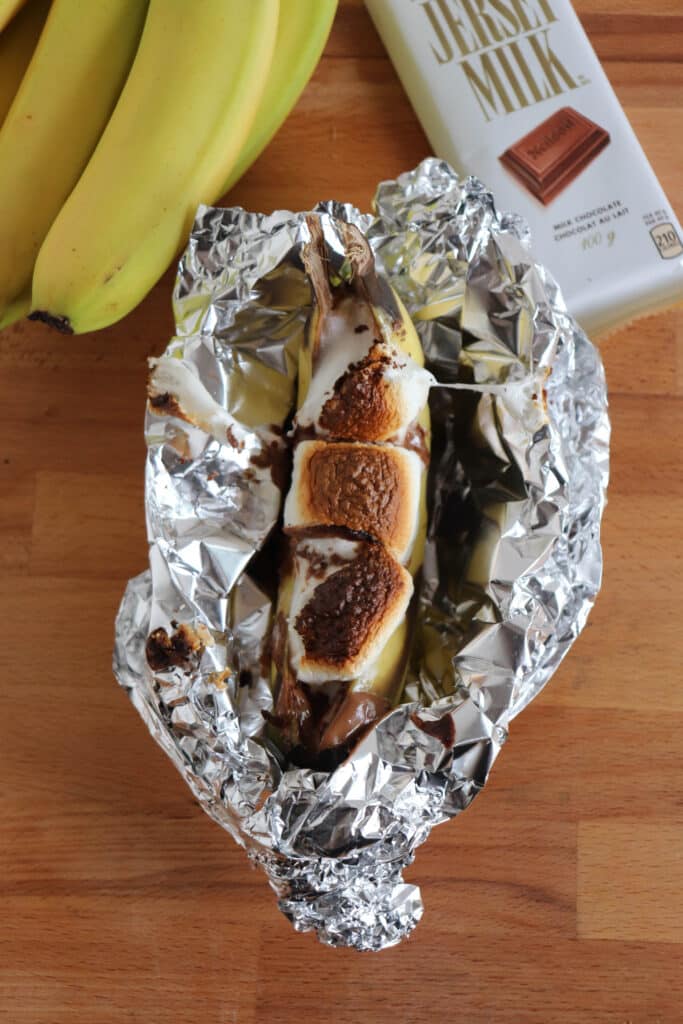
pixel 362 487
pixel 349 611
pixel 356 486
pixel 364 405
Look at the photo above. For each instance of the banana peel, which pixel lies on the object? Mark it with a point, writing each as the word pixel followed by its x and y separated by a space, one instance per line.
pixel 180 123
pixel 63 103
pixel 8 9
pixel 17 43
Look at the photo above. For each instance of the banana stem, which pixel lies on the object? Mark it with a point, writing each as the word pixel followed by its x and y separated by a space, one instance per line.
pixel 59 323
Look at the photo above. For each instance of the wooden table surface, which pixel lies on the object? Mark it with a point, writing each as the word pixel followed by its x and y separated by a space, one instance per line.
pixel 557 897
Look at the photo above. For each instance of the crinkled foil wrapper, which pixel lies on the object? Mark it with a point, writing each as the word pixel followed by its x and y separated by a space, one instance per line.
pixel 513 559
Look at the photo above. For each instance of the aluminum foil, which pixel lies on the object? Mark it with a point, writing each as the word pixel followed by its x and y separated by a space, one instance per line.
pixel 513 562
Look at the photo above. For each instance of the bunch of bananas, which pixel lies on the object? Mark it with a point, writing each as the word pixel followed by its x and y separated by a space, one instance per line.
pixel 118 118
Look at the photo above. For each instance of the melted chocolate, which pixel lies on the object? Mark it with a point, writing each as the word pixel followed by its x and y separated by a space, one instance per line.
pixel 180 650
pixel 233 440
pixel 299 434
pixel 278 459
pixel 292 706
pixel 166 405
pixel 442 729
pixel 317 564
pixel 357 713
pixel 416 441
pixel 322 532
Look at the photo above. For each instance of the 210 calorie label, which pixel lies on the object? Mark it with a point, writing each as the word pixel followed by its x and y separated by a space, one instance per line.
pixel 667 241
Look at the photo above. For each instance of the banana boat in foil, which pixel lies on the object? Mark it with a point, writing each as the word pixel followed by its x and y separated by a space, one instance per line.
pixel 355 517
pixel 355 514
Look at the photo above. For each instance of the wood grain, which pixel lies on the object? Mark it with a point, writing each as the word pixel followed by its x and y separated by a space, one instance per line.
pixel 640 900
pixel 557 897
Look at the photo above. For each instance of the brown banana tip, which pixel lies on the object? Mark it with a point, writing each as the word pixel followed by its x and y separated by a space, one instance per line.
pixel 59 323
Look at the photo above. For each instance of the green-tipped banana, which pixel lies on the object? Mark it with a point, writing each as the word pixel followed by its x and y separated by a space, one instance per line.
pixel 177 130
pixel 17 43
pixel 356 510
pixel 64 101
pixel 302 31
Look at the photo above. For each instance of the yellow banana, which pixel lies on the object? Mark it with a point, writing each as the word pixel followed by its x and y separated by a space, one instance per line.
pixel 17 43
pixel 302 31
pixel 180 123
pixel 63 103
pixel 16 310
pixel 362 410
pixel 8 8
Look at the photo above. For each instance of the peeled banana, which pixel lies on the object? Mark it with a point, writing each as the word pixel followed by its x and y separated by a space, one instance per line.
pixel 355 514
pixel 302 30
pixel 63 103
pixel 179 126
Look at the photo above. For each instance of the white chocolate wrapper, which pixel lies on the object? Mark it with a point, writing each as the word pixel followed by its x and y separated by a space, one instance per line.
pixel 512 564
pixel 515 94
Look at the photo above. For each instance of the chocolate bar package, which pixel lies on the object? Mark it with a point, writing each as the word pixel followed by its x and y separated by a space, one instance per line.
pixel 512 91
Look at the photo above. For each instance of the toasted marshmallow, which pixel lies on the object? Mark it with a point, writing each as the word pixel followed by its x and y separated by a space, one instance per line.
pixel 174 389
pixel 363 389
pixel 408 383
pixel 348 598
pixel 369 488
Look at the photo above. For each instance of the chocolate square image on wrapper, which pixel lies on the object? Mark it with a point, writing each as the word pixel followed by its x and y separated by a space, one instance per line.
pixel 552 155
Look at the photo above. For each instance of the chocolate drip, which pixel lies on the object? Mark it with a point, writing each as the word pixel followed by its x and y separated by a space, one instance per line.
pixel 356 714
pixel 415 440
pixel 179 650
pixel 442 729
